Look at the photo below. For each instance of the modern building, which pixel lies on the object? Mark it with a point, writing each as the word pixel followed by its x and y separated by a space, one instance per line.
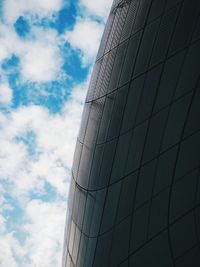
pixel 135 190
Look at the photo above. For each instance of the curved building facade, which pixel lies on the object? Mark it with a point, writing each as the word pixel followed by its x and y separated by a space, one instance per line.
pixel 135 191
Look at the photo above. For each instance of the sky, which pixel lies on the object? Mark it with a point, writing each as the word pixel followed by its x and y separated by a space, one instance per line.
pixel 47 50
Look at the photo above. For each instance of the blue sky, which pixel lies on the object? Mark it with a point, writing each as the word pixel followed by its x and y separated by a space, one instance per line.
pixel 47 49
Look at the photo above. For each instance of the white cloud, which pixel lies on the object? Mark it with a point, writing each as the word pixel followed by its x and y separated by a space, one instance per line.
pixel 9 42
pixel 55 142
pixel 9 246
pixel 45 239
pixel 40 63
pixel 49 162
pixel 40 56
pixel 13 9
pixel 86 37
pixel 99 8
pixel 5 93
pixel 55 138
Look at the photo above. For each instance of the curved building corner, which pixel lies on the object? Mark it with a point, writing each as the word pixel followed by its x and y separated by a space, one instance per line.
pixel 135 192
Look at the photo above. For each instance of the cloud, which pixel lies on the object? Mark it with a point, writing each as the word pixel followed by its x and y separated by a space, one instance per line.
pixel 85 37
pixel 40 63
pixel 9 246
pixel 14 9
pixel 44 239
pixel 29 171
pixel 37 146
pixel 40 57
pixel 53 145
pixel 99 8
pixel 5 94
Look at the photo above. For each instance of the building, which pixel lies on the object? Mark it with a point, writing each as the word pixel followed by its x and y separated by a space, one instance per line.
pixel 135 191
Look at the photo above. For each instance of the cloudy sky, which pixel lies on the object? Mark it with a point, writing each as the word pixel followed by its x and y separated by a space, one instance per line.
pixel 47 48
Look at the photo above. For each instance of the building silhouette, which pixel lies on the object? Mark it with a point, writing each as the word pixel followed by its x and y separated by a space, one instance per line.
pixel 135 192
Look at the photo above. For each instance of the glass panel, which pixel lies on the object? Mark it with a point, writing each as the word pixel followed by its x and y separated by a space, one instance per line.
pixel 171 3
pixel 148 94
pixel 76 245
pixel 190 257
pixel 117 112
pixel 146 48
pixel 154 137
pixel 130 57
pixel 94 122
pixel 136 148
pixel 132 103
pixel 75 205
pixel 190 73
pixel 121 157
pixel 76 160
pixel 176 120
pixel 127 196
pixel 183 195
pixel 71 239
pixel 88 212
pixel 82 250
pixel 97 211
pixel 185 24
pixel 164 35
pixel 169 80
pixel 118 64
pixel 85 165
pixel 193 122
pixel 120 243
pixel 139 227
pixel 89 255
pixel 142 13
pixel 103 250
pixel 183 235
pixel 155 253
pixel 145 183
pixel 165 169
pixel 130 19
pixel 84 121
pixel 156 10
pixel 107 163
pixel 189 156
pixel 159 213
pixel 106 117
pixel 81 207
pixel 111 206
pixel 96 167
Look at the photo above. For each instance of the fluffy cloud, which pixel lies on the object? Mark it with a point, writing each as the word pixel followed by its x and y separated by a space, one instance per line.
pixel 40 63
pixel 37 146
pixel 53 145
pixel 13 9
pixel 86 37
pixel 99 8
pixel 5 94
pixel 40 57
pixel 29 171
pixel 45 239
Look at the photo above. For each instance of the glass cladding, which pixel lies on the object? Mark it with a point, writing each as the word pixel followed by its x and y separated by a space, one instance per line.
pixel 135 191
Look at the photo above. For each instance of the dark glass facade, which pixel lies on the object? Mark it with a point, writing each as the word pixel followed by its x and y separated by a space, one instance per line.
pixel 135 192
